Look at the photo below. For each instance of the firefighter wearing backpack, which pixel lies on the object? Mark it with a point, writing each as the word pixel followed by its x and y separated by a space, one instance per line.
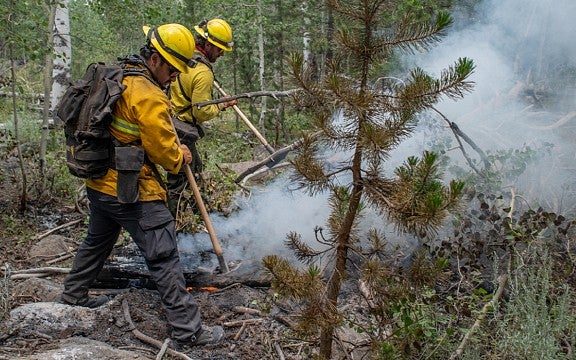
pixel 142 118
pixel 213 38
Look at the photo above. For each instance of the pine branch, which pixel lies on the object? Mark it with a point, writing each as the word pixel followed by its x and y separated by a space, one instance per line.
pixel 413 37
pixel 302 251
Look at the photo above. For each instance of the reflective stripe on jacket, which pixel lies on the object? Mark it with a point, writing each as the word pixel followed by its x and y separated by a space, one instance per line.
pixel 143 113
pixel 197 84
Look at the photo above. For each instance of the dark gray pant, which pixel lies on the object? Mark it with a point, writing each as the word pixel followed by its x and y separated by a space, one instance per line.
pixel 152 227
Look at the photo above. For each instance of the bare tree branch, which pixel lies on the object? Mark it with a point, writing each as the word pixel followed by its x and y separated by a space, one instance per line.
pixel 460 134
pixel 250 95
pixel 502 279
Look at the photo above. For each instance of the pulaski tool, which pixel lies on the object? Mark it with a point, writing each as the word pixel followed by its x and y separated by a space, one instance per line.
pixel 215 243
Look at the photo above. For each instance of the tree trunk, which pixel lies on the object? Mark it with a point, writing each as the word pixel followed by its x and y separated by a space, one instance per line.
pixel 63 49
pixel 47 89
pixel 306 38
pixel 280 129
pixel 343 242
pixel 261 66
pixel 24 194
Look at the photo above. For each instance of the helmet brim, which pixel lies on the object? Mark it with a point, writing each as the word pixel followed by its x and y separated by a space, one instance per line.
pixel 202 33
pixel 182 67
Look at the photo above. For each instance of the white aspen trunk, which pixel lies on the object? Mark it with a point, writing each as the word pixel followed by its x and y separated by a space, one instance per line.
pixel 306 34
pixel 47 91
pixel 63 50
pixel 261 67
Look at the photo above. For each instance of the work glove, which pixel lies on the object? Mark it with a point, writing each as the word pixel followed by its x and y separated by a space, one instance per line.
pixel 222 106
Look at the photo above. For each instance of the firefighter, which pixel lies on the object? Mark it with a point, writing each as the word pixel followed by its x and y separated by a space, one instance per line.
pixel 142 118
pixel 213 38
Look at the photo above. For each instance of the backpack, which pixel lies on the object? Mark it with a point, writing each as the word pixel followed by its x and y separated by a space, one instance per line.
pixel 86 111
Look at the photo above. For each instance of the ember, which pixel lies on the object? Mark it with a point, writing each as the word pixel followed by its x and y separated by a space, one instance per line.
pixel 204 288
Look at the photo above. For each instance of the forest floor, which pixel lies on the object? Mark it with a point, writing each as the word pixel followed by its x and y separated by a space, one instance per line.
pixel 257 324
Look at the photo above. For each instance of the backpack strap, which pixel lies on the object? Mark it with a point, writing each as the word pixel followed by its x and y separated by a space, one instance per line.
pixel 138 71
pixel 138 62
pixel 186 97
pixel 197 58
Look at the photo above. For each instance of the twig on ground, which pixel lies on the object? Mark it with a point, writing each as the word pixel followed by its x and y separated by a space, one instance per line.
pixel 342 346
pixel 226 288
pixel 224 317
pixel 242 322
pixel 147 338
pixel 245 310
pixel 163 349
pixel 61 258
pixel 37 272
pixel 285 321
pixel 279 351
pixel 48 270
pixel 68 224
pixel 240 332
pixel 28 276
pixel 460 134
pixel 502 279
pixel 139 348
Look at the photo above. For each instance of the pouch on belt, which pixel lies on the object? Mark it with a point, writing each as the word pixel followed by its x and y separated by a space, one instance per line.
pixel 129 162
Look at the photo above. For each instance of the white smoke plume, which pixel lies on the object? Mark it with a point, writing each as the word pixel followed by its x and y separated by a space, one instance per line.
pixel 260 225
pixel 525 92
pixel 516 45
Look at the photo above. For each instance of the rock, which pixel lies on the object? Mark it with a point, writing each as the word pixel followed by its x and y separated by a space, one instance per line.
pixel 37 289
pixel 49 247
pixel 81 348
pixel 50 318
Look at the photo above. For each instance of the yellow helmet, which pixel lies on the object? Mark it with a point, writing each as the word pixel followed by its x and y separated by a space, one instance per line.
pixel 174 42
pixel 217 32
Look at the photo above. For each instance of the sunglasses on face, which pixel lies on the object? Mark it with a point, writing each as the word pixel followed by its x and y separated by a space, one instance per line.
pixel 171 68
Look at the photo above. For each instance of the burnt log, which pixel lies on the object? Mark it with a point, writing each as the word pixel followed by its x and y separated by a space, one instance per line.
pixel 126 268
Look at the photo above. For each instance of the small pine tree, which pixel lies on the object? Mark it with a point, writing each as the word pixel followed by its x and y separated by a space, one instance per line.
pixel 374 120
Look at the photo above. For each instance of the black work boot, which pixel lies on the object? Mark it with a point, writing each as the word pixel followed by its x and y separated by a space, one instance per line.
pixel 206 335
pixel 89 301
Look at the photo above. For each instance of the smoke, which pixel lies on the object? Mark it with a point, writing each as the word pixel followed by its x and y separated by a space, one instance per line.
pixel 260 225
pixel 524 94
pixel 525 87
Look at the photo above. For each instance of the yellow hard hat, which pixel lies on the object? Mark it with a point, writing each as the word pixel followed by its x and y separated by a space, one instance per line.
pixel 217 32
pixel 174 42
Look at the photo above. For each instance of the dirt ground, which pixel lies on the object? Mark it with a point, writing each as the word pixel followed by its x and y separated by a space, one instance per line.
pixel 253 341
pixel 256 325
pixel 256 322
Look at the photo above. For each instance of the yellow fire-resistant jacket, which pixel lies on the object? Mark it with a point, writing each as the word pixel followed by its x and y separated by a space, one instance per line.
pixel 143 112
pixel 194 87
